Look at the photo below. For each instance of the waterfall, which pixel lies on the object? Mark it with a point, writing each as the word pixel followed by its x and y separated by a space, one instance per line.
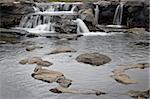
pixel 73 8
pixel 82 28
pixel 118 15
pixel 97 14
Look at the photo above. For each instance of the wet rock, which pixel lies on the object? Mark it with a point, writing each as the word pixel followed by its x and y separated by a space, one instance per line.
pixel 136 30
pixel 35 60
pixel 143 43
pixel 65 24
pixel 64 82
pixel 31 48
pixel 93 59
pixel 44 63
pixel 120 76
pixel 139 94
pixel 47 75
pixel 123 78
pixel 62 49
pixel 11 13
pixel 60 89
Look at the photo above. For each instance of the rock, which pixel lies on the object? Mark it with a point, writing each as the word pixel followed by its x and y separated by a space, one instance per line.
pixel 62 49
pixel 60 89
pixel 64 82
pixel 44 63
pixel 143 43
pixel 123 78
pixel 65 24
pixel 93 59
pixel 47 75
pixel 11 13
pixel 36 60
pixel 136 30
pixel 139 94
pixel 30 48
pixel 120 76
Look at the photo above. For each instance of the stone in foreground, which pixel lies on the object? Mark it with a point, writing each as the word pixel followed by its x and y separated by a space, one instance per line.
pixel 93 59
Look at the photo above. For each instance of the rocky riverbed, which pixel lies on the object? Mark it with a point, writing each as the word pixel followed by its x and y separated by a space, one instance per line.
pixel 87 81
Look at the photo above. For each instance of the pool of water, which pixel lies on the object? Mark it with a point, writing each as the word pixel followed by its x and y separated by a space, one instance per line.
pixel 16 81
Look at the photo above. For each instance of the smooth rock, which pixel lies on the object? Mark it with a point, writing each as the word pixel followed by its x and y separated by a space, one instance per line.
pixel 36 60
pixel 93 59
pixel 47 75
pixel 123 78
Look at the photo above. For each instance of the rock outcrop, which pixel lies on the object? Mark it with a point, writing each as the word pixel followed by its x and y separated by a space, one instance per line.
pixel 93 59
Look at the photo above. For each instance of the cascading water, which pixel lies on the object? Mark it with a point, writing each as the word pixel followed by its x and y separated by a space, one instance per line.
pixel 118 14
pixel 82 28
pixel 97 14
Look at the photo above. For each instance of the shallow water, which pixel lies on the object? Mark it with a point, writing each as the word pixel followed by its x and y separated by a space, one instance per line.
pixel 16 81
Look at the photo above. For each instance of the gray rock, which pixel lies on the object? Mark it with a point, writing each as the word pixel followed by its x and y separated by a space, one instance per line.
pixel 93 59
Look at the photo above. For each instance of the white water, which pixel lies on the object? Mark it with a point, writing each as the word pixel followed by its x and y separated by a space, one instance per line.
pixel 97 14
pixel 118 15
pixel 82 28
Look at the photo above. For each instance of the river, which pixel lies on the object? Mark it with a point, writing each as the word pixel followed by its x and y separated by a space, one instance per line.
pixel 16 81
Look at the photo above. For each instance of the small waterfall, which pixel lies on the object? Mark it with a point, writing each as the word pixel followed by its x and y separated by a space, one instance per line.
pixel 97 14
pixel 82 28
pixel 73 8
pixel 118 15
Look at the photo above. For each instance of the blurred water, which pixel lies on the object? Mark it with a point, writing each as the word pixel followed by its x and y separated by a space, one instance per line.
pixel 16 81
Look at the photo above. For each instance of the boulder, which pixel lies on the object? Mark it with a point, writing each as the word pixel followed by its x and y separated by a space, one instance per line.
pixel 62 49
pixel 93 59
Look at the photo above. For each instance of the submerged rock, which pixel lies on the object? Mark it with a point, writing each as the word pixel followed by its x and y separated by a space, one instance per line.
pixel 30 48
pixel 60 89
pixel 62 49
pixel 120 76
pixel 123 78
pixel 93 59
pixel 139 94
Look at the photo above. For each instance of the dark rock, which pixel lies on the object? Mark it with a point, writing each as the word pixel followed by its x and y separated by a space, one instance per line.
pixel 11 13
pixel 93 59
pixel 139 94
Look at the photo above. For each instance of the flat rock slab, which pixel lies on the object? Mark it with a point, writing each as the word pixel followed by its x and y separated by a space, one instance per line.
pixel 51 76
pixel 120 76
pixel 62 49
pixel 36 60
pixel 93 59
